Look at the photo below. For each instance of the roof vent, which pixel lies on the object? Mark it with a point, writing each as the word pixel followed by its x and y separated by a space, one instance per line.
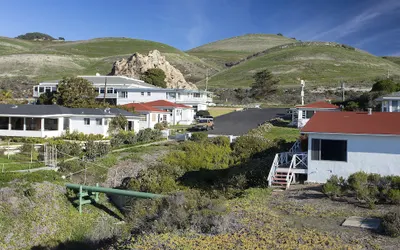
pixel 369 111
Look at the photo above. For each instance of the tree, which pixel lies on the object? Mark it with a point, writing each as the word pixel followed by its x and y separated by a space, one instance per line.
pixel 385 85
pixel 6 95
pixel 47 98
pixel 117 124
pixel 76 92
pixel 279 34
pixel 155 77
pixel 264 85
pixel 61 38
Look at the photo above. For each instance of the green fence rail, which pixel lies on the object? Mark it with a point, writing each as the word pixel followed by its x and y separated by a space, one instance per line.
pixel 88 194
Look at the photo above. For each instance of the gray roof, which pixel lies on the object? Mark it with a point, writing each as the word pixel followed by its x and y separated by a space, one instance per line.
pixel 395 94
pixel 111 80
pixel 42 110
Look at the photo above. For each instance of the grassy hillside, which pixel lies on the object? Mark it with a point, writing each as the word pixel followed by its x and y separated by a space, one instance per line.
pixel 317 63
pixel 54 59
pixel 395 59
pixel 235 48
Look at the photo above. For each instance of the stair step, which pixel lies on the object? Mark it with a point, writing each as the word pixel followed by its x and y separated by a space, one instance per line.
pixel 279 179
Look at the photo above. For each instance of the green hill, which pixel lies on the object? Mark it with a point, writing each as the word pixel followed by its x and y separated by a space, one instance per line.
pixel 395 59
pixel 316 62
pixel 54 59
pixel 233 49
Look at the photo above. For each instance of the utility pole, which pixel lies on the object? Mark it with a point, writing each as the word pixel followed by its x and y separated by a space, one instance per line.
pixel 105 90
pixel 206 79
pixel 343 86
pixel 302 83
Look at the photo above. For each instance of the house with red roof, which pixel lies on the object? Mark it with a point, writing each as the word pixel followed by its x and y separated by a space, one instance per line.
pixel 150 115
pixel 342 143
pixel 301 114
pixel 180 114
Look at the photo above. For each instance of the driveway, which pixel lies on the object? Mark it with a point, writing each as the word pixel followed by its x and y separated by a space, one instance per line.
pixel 239 122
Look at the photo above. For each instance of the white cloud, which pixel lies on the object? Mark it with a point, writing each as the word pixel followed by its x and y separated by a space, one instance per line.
pixel 359 21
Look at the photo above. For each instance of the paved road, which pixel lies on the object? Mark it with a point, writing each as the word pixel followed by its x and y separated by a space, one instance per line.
pixel 239 122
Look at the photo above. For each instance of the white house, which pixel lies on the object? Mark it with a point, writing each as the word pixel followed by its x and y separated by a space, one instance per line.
pixel 152 115
pixel 390 102
pixel 342 143
pixel 179 114
pixel 301 114
pixel 54 120
pixel 121 90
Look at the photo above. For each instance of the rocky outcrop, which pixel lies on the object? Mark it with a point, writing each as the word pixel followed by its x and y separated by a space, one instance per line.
pixel 137 64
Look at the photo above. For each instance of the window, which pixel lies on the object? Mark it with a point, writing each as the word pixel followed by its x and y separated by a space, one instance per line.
pixel 53 89
pixel 17 123
pixel 115 91
pixel 97 90
pixel 148 93
pixel 86 121
pixel 142 93
pixel 110 90
pixel 50 124
pixel 101 90
pixel 197 95
pixel 123 94
pixel 41 89
pixel 48 89
pixel 99 121
pixel 66 123
pixel 395 106
pixel 33 124
pixel 36 88
pixel 328 150
pixel 307 114
pixel 164 117
pixel 171 95
pixel 4 123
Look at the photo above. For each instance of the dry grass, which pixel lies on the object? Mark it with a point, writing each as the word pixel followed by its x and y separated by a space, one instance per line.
pixel 216 111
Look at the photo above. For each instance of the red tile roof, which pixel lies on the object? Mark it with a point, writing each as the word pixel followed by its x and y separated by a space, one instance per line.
pixel 378 123
pixel 164 103
pixel 142 107
pixel 319 105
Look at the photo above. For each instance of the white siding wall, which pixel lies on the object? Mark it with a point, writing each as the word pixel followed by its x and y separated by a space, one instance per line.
pixel 372 154
pixel 137 97
pixel 77 123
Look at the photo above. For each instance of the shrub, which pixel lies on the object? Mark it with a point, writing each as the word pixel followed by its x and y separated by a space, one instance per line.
pixel 202 113
pixel 65 149
pixel 394 196
pixel 147 135
pixel 79 136
pixel 248 146
pixel 391 223
pixel 334 186
pixel 182 211
pixel 159 126
pixel 199 137
pixel 261 130
pixel 195 156
pixel 222 141
pixel 96 149
pixel 26 148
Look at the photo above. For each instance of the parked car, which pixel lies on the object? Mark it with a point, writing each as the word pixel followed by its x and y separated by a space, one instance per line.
pixel 204 124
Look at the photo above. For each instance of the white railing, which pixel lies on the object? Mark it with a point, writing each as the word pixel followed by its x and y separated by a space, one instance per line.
pixel 279 159
pixel 295 148
pixel 297 159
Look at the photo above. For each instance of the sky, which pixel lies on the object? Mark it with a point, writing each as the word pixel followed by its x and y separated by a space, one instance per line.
pixel 371 25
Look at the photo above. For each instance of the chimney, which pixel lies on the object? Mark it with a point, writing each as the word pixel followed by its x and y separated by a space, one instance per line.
pixel 369 111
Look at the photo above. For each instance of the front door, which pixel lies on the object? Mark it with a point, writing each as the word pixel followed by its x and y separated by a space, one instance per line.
pixel 130 125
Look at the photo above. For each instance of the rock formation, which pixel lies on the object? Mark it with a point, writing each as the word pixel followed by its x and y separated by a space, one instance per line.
pixel 137 64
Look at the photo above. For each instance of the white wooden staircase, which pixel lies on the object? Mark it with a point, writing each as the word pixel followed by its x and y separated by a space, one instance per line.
pixel 286 165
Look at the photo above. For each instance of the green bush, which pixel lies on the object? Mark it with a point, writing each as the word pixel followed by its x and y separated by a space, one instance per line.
pixel 195 156
pixel 199 137
pixel 370 188
pixel 96 149
pixel 161 125
pixel 130 138
pixel 68 149
pixel 202 113
pixel 334 186
pixel 79 136
pixel 391 223
pixel 248 146
pixel 222 141
pixel 38 176
pixel 182 211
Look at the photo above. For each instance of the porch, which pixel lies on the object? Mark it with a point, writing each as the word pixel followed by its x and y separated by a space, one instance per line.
pixel 286 166
pixel 30 127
